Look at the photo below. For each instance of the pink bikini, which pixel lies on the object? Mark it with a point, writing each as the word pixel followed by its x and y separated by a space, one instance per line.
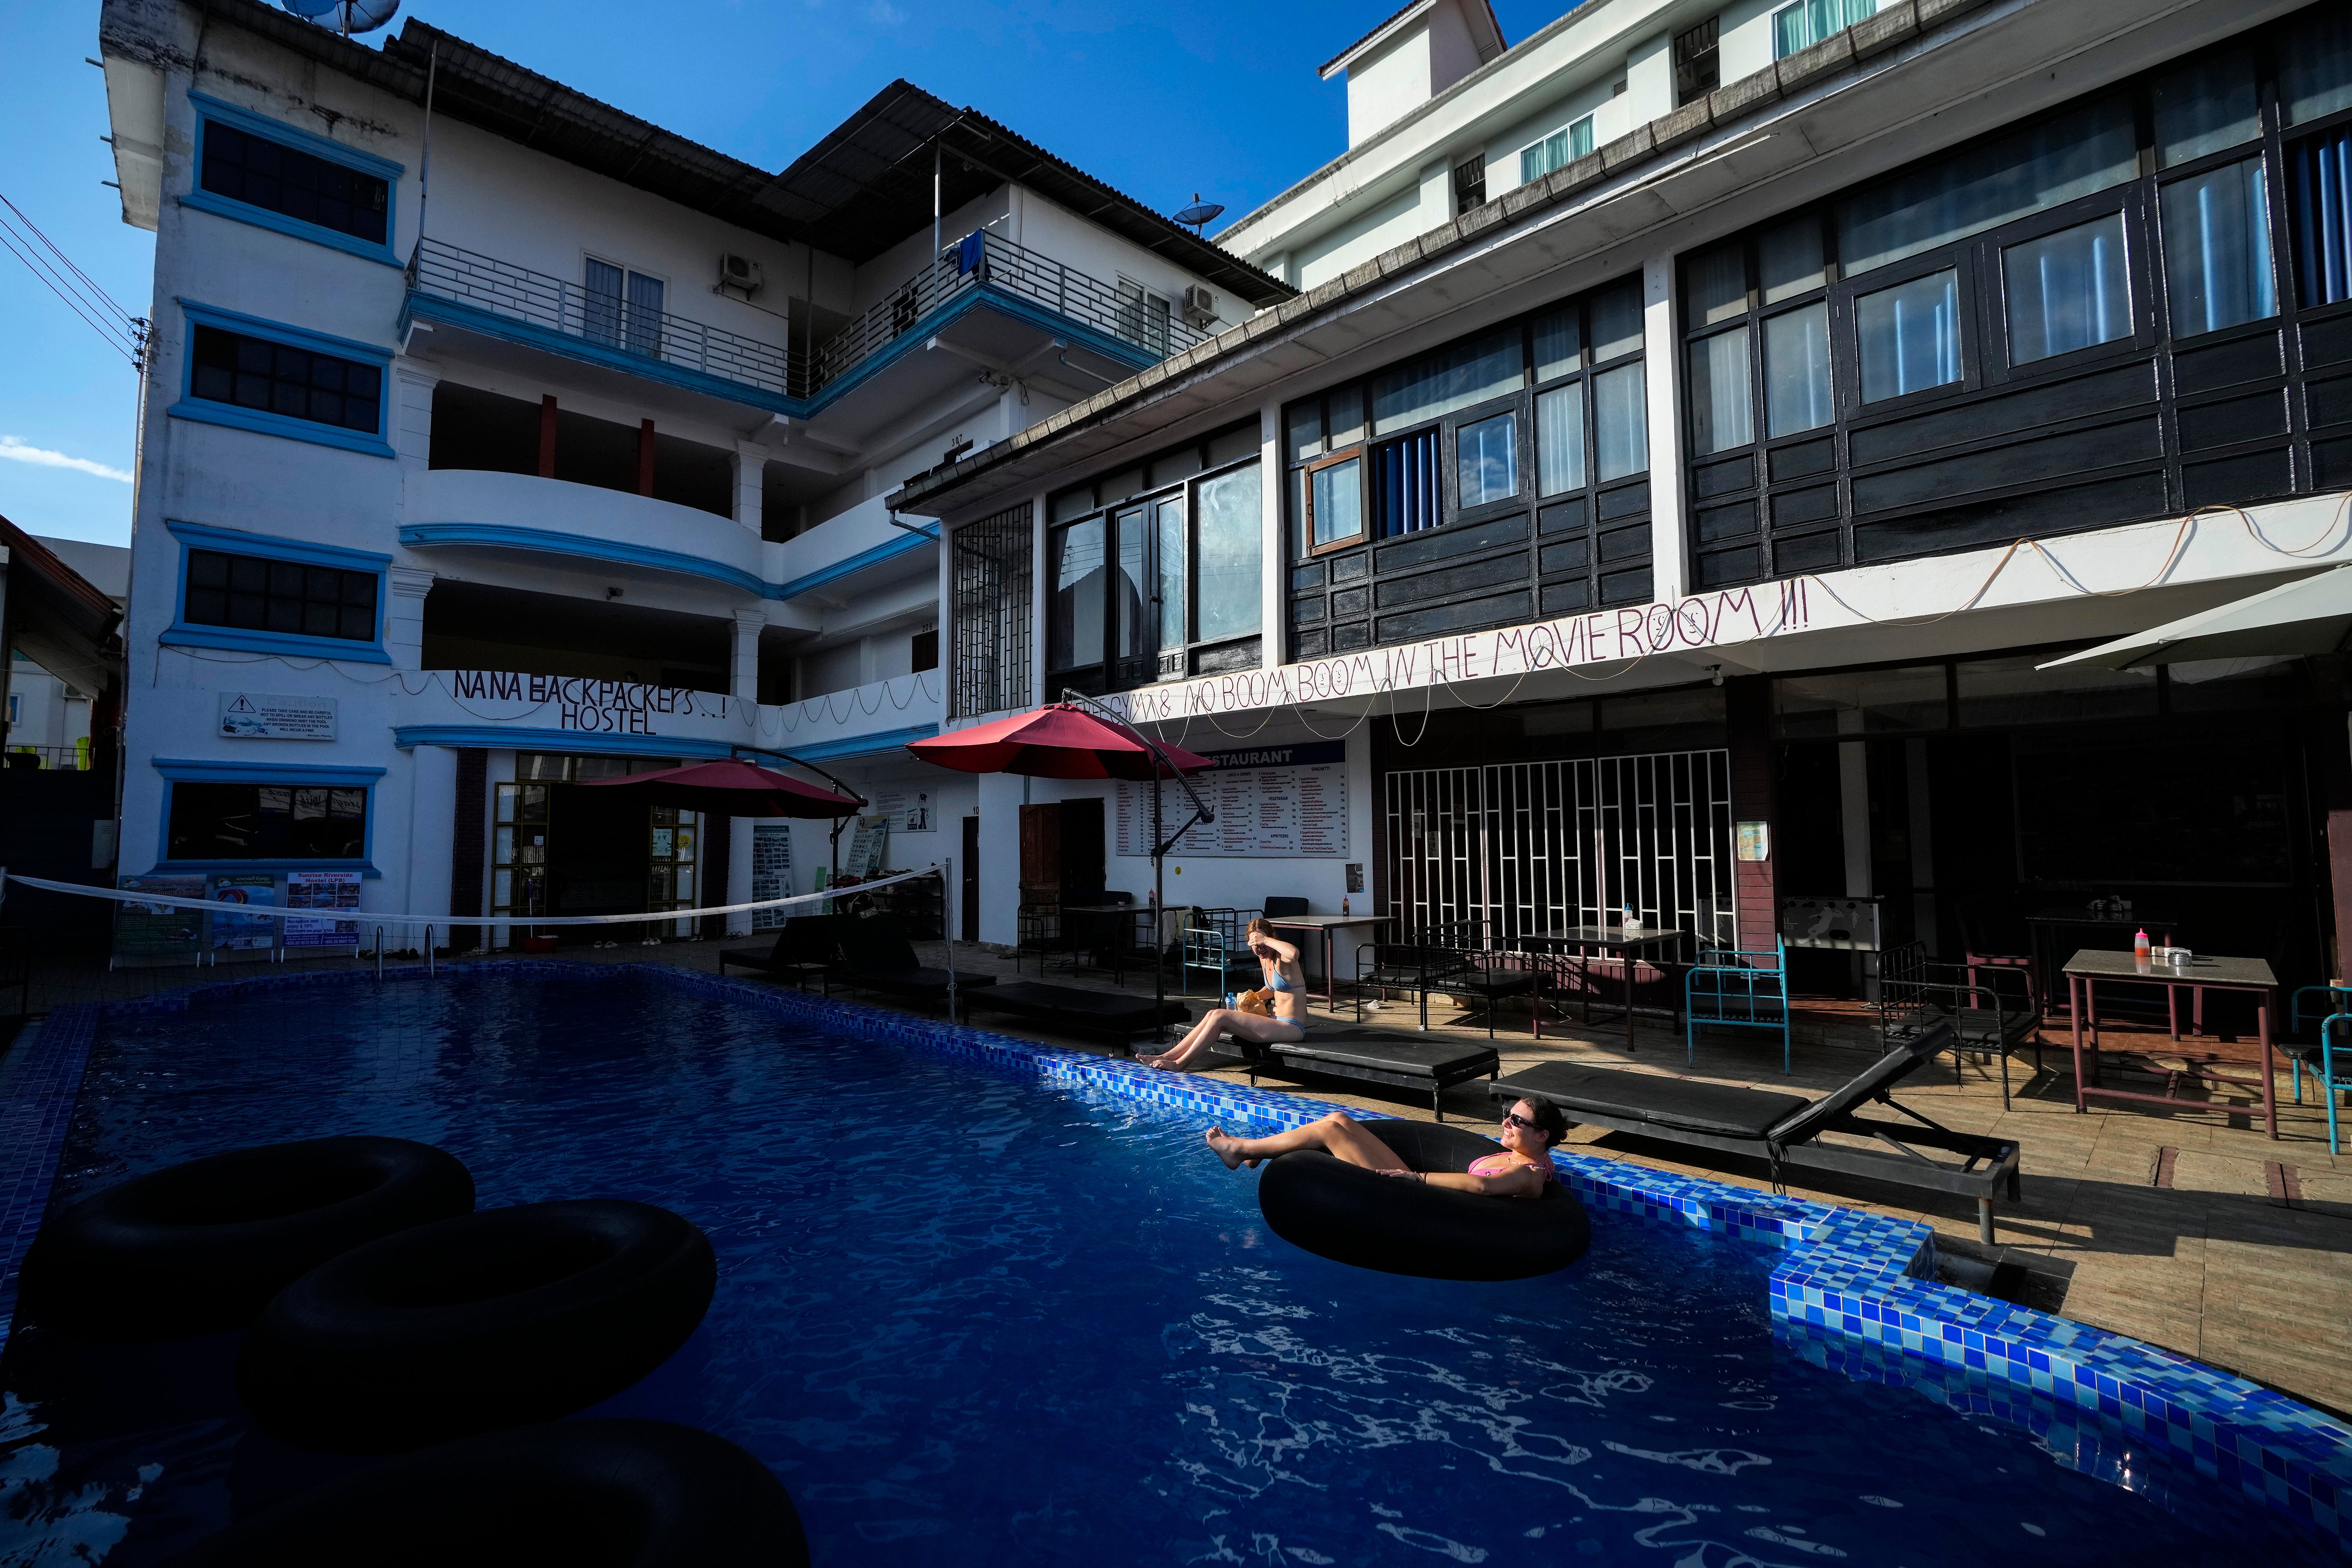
pixel 1504 1164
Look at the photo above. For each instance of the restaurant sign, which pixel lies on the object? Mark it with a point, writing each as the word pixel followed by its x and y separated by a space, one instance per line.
pixel 1604 637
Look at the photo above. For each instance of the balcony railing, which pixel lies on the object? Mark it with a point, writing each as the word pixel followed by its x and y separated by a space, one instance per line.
pixel 518 293
pixel 1133 319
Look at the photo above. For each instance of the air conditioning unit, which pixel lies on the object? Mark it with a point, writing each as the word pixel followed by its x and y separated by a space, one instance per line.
pixel 1200 304
pixel 739 273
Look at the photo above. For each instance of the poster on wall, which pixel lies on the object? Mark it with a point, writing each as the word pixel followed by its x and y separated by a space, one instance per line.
pixel 159 931
pixel 772 871
pixel 235 930
pixel 909 810
pixel 322 890
pixel 864 855
pixel 1288 802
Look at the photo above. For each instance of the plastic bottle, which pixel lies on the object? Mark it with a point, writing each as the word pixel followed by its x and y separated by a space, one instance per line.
pixel 2140 946
pixel 1627 919
pixel 1343 906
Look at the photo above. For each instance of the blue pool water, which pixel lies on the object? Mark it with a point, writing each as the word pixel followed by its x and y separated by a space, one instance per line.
pixel 972 1319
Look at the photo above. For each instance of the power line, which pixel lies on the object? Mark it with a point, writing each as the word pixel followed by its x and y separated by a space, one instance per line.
pixel 81 293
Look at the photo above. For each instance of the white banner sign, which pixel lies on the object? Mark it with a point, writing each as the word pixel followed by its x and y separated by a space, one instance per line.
pixel 572 703
pixel 1604 637
pixel 909 810
pixel 267 716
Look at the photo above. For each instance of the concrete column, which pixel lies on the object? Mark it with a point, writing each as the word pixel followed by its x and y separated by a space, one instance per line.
pixel 743 678
pixel 1748 709
pixel 403 626
pixel 413 380
pixel 1662 354
pixel 1273 613
pixel 751 463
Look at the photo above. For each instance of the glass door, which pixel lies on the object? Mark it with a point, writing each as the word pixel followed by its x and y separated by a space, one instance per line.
pixel 518 856
pixel 674 838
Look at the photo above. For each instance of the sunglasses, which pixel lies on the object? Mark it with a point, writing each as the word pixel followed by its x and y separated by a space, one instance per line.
pixel 1513 1119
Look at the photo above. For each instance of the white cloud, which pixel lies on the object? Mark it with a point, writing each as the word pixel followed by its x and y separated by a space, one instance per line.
pixel 41 457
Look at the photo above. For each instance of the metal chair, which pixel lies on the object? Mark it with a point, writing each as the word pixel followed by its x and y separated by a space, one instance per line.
pixel 1219 953
pixel 1038 930
pixel 1992 938
pixel 1913 998
pixel 1416 968
pixel 1738 988
pixel 2321 1058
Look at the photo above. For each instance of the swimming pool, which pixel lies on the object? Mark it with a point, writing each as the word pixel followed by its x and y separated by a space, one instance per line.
pixel 966 1314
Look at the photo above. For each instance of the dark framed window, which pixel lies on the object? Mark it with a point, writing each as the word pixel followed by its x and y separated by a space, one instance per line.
pixel 1156 571
pixel 1470 184
pixel 1698 62
pixel 255 593
pixel 2134 306
pixel 261 172
pixel 267 822
pixel 1496 480
pixel 269 377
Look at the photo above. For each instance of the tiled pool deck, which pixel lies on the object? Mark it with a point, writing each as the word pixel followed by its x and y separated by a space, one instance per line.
pixel 1854 1292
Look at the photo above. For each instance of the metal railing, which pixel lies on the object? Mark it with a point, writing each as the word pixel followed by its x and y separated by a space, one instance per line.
pixel 447 272
pixel 68 759
pixel 1133 317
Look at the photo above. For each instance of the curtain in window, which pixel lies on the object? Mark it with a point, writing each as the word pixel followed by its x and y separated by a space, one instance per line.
pixel 1796 370
pixel 1560 439
pixel 1556 151
pixel 2206 107
pixel 1074 636
pixel 600 321
pixel 1131 588
pixel 1171 542
pixel 1910 336
pixel 1487 460
pixel 1622 422
pixel 1472 373
pixel 1616 322
pixel 2005 177
pixel 2323 217
pixel 1807 23
pixel 1559 344
pixel 1720 417
pixel 643 332
pixel 1228 529
pixel 1405 473
pixel 2067 291
pixel 2315 67
pixel 2217 249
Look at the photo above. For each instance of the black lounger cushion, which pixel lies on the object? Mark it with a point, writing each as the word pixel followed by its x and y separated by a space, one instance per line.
pixel 1088 1008
pixel 915 982
pixel 1432 1057
pixel 1665 1102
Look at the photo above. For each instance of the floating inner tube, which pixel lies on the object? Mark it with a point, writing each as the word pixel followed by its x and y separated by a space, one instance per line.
pixel 587 1494
pixel 499 1318
pixel 201 1248
pixel 1350 1215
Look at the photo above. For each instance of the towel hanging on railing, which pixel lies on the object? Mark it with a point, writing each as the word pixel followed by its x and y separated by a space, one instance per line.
pixel 971 253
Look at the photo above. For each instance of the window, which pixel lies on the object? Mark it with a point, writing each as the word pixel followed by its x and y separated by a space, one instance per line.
pixel 989 564
pixel 1796 370
pixel 1909 336
pixel 1470 184
pixel 1622 422
pixel 1228 529
pixel 1486 368
pixel 1410 495
pixel 255 593
pixel 1486 459
pixel 2217 249
pixel 2321 187
pixel 2315 67
pixel 1143 316
pixel 2206 107
pixel 1335 501
pixel 924 653
pixel 1720 417
pixel 1698 65
pixel 261 172
pixel 270 377
pixel 2067 291
pixel 624 309
pixel 1808 22
pixel 266 822
pixel 1557 151
pixel 1560 439
pixel 1075 566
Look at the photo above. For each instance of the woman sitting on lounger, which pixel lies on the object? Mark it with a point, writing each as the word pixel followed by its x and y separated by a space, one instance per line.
pixel 1530 1128
pixel 1287 1021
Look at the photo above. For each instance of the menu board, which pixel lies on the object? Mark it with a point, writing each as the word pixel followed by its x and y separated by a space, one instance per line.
pixel 1284 802
pixel 772 871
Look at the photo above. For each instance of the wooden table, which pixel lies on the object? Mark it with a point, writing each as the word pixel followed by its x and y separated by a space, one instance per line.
pixel 1616 941
pixel 2087 968
pixel 1327 924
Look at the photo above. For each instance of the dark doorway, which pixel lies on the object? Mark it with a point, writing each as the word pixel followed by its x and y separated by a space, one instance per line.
pixel 1061 851
pixel 1082 848
pixel 598 859
pixel 969 868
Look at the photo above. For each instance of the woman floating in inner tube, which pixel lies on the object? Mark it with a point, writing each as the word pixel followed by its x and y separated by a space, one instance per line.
pixel 1285 992
pixel 1530 1128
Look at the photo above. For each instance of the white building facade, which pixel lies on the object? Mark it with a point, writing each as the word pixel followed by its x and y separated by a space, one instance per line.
pixel 497 449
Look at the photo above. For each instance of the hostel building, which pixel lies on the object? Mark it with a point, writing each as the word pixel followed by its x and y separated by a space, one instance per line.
pixel 1698 431
pixel 496 441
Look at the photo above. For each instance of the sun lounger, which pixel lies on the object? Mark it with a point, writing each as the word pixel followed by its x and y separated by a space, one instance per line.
pixel 1423 1065
pixel 1078 1011
pixel 807 945
pixel 1785 1130
pixel 877 956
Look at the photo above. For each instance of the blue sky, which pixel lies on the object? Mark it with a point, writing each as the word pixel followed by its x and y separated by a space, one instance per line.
pixel 1217 96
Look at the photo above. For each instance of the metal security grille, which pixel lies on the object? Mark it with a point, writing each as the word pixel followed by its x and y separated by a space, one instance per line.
pixel 1535 846
pixel 990 611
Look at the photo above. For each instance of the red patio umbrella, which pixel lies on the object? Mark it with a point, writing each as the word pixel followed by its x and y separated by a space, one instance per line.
pixel 1059 740
pixel 1063 741
pixel 732 788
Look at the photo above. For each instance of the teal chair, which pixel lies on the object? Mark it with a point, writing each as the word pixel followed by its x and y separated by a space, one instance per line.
pixel 1740 989
pixel 2321 1058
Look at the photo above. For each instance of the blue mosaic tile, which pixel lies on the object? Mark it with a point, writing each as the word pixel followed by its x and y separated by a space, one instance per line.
pixel 1853 1292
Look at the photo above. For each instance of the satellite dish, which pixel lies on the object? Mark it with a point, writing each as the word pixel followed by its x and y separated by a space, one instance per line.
pixel 346 16
pixel 1198 214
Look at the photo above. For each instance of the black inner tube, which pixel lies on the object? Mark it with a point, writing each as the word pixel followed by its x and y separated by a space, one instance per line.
pixel 502 1317
pixel 586 1494
pixel 202 1246
pixel 1357 1216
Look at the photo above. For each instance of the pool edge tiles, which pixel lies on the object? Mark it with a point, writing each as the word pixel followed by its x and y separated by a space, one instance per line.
pixel 40 1077
pixel 1852 1291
